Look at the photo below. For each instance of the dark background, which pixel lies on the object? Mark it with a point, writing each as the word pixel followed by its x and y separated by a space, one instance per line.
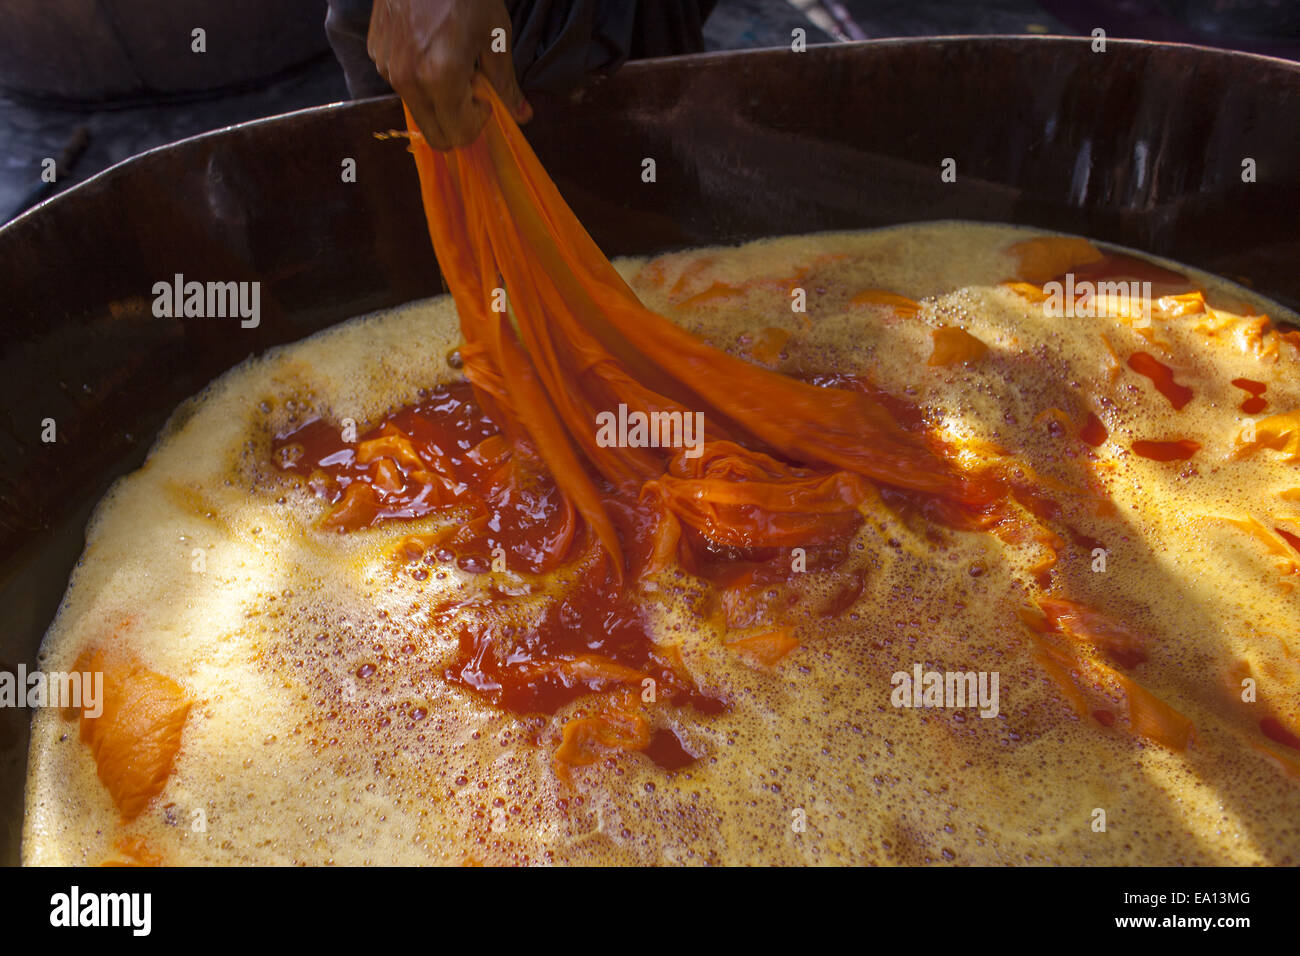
pixel 33 129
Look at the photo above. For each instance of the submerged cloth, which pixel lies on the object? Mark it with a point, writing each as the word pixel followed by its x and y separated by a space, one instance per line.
pixel 557 43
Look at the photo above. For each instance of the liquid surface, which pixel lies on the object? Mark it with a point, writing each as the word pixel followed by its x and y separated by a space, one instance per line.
pixel 342 653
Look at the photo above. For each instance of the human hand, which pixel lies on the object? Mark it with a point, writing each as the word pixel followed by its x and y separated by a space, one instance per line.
pixel 428 51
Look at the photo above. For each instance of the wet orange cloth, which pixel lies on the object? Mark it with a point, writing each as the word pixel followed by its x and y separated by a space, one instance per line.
pixel 582 343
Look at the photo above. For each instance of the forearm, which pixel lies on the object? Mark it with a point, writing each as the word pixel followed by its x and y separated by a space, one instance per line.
pixel 430 50
pixel 557 43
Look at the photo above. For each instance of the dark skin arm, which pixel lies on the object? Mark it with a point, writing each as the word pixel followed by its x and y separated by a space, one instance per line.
pixel 428 51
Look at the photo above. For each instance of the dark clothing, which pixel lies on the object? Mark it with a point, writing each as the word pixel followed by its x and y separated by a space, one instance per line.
pixel 346 25
pixel 557 43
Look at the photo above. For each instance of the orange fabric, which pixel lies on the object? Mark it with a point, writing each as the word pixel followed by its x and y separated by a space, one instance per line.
pixel 584 740
pixel 902 306
pixel 1082 623
pixel 742 498
pixel 1279 433
pixel 136 852
pixel 138 734
pixel 765 650
pixel 1151 717
pixel 953 345
pixel 768 345
pixel 1043 258
pixel 582 343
